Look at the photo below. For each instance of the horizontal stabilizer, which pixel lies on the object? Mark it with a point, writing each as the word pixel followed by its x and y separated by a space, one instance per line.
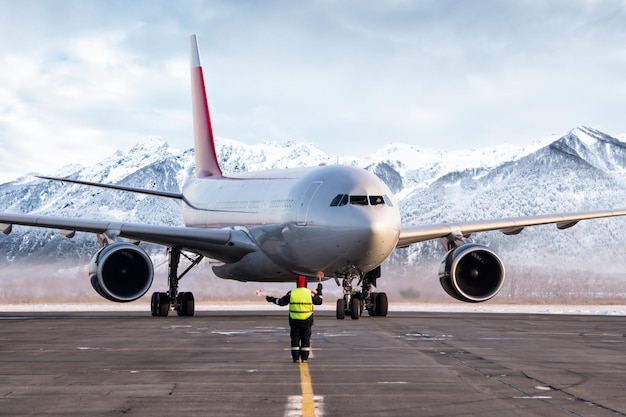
pixel 156 193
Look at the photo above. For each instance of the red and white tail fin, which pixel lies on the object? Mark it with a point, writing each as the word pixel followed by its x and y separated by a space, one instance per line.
pixel 206 158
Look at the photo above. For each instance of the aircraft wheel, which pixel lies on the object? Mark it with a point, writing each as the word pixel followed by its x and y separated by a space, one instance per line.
pixel 154 310
pixel 191 304
pixel 159 304
pixel 162 304
pixel 186 304
pixel 341 309
pixel 382 305
pixel 355 308
pixel 372 309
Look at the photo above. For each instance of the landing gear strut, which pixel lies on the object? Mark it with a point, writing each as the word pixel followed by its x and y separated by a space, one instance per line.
pixel 181 302
pixel 354 302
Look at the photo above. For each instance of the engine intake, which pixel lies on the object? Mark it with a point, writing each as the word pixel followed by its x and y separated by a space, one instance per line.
pixel 471 273
pixel 121 272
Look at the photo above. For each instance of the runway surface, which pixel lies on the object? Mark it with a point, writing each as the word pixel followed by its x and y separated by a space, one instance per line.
pixel 238 364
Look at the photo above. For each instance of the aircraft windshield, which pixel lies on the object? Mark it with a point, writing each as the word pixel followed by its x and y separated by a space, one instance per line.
pixel 360 200
pixel 339 200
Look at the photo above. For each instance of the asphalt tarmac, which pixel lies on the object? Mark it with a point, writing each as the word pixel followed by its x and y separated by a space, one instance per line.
pixel 238 364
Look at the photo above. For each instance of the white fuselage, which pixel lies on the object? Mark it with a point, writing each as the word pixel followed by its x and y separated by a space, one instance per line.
pixel 303 220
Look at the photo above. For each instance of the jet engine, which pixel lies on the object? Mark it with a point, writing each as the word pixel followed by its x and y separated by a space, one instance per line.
pixel 471 273
pixel 121 272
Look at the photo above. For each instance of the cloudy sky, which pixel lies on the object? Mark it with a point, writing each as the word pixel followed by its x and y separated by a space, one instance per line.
pixel 80 79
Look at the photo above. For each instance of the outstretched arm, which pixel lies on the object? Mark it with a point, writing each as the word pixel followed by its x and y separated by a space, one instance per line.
pixel 283 301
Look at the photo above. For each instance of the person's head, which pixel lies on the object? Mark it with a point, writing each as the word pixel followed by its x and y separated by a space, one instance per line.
pixel 301 281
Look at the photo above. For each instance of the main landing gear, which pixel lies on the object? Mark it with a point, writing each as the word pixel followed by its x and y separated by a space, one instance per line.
pixel 181 302
pixel 354 302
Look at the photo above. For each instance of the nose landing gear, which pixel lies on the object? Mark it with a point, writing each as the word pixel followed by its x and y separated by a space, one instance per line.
pixel 354 302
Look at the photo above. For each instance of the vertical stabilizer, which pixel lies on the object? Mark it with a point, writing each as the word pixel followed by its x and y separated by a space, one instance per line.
pixel 206 157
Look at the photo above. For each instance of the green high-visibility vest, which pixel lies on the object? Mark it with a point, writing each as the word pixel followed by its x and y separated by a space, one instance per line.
pixel 300 304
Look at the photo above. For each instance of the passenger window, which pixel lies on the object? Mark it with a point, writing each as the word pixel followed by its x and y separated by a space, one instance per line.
pixel 376 200
pixel 358 200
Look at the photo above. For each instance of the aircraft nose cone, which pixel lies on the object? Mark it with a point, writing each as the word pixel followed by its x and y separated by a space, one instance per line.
pixel 383 236
pixel 361 237
pixel 371 240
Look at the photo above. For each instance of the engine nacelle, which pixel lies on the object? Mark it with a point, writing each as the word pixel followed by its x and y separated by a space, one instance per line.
pixel 471 273
pixel 121 272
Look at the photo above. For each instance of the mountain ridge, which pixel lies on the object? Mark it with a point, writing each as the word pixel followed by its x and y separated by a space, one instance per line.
pixel 583 169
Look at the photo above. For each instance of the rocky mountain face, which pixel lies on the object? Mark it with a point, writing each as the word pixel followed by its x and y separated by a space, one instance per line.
pixel 581 170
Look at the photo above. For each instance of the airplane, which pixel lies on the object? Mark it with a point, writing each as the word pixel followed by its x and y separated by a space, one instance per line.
pixel 271 226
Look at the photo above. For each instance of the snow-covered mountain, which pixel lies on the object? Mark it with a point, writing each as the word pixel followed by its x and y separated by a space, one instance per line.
pixel 583 169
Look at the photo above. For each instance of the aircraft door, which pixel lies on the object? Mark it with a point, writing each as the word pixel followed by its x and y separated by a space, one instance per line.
pixel 305 203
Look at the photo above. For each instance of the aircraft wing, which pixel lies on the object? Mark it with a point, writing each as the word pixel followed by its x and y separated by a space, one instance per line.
pixel 227 245
pixel 509 226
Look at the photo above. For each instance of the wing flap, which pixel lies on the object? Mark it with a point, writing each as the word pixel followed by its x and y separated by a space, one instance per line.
pixel 509 226
pixel 225 245
pixel 6 228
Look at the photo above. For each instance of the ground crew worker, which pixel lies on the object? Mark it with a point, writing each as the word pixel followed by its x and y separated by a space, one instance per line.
pixel 300 302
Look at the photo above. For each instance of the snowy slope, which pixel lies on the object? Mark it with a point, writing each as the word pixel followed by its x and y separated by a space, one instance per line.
pixel 580 170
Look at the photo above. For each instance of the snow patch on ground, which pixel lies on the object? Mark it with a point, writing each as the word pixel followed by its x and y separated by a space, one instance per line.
pixel 605 310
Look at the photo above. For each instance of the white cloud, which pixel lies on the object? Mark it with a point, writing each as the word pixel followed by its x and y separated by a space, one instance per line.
pixel 350 77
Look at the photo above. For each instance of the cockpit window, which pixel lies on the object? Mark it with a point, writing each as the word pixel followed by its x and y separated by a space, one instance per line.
pixel 336 200
pixel 376 200
pixel 358 200
pixel 339 200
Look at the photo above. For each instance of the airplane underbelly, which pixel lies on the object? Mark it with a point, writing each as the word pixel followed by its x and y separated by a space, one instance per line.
pixel 311 248
pixel 255 266
pixel 288 250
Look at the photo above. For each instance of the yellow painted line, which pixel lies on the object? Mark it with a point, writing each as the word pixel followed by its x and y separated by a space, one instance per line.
pixel 308 401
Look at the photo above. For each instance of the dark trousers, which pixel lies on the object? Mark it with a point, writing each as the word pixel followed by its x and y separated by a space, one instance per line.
pixel 300 338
